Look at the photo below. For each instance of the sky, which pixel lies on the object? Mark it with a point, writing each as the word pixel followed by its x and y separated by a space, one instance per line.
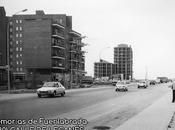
pixel 147 25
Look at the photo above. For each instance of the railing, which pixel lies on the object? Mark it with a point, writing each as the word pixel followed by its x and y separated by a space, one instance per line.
pixel 58 55
pixel 58 34
pixel 59 44
pixel 58 25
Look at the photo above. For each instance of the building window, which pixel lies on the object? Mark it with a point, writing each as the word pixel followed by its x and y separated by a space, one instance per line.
pixel 20 62
pixel 11 36
pixel 17 49
pixel 20 21
pixel 20 55
pixel 11 30
pixel 17 69
pixel 16 28
pixel 61 21
pixel 17 42
pixel 17 35
pixel 11 50
pixel 17 56
pixel 11 42
pixel 21 69
pixel 11 56
pixel 20 41
pixel 11 23
pixel 20 28
pixel 20 48
pixel 16 21
pixel 20 35
pixel 17 62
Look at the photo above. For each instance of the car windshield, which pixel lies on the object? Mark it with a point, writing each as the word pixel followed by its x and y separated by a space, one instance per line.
pixel 121 82
pixel 48 84
pixel 142 82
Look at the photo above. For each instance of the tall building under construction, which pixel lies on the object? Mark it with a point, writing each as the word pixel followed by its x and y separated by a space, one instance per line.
pixel 123 59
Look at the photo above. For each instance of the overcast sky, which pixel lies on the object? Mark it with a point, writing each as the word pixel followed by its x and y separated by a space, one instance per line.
pixel 147 25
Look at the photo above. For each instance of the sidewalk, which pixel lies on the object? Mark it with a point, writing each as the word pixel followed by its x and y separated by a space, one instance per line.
pixel 155 117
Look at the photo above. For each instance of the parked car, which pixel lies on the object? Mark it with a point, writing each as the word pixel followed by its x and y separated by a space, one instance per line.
pixel 51 89
pixel 85 85
pixel 152 82
pixel 143 84
pixel 121 86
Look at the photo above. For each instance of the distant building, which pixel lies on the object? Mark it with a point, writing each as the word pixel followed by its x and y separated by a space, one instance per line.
pixel 3 44
pixel 123 58
pixel 104 69
pixel 44 47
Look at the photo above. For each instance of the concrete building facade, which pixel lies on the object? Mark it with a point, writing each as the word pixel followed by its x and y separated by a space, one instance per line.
pixel 3 45
pixel 104 69
pixel 123 58
pixel 44 47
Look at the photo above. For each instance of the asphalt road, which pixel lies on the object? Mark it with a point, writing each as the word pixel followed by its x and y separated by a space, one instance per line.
pixel 100 107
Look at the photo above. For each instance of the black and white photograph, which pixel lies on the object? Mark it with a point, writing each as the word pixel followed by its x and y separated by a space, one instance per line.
pixel 87 65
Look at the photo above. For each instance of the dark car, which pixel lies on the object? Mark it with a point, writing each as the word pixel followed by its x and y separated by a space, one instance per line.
pixel 152 82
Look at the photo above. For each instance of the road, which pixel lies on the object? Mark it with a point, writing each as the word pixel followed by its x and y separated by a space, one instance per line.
pixel 101 107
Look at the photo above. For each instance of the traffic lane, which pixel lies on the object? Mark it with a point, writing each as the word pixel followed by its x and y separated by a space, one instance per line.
pixel 24 96
pixel 128 106
pixel 35 107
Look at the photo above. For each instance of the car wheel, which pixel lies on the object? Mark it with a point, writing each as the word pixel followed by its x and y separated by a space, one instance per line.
pixel 39 95
pixel 62 94
pixel 54 94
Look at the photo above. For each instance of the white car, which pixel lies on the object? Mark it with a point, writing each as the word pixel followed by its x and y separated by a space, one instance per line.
pixel 51 89
pixel 121 86
pixel 143 84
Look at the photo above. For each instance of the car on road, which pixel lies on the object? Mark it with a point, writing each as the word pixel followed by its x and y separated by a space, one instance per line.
pixel 121 86
pixel 152 82
pixel 51 89
pixel 142 84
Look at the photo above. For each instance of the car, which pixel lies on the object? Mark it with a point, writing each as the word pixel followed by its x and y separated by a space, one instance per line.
pixel 142 84
pixel 121 86
pixel 152 82
pixel 51 89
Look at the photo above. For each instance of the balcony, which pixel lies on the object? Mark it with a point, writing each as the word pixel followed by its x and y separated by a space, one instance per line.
pixel 73 49
pixel 58 45
pixel 58 65
pixel 58 25
pixel 74 40
pixel 77 42
pixel 72 32
pixel 58 56
pixel 58 35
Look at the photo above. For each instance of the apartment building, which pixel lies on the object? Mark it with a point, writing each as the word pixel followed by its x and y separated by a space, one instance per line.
pixel 104 69
pixel 123 58
pixel 3 45
pixel 45 47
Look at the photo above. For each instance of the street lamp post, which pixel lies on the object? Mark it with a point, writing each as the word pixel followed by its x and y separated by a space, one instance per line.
pixel 8 52
pixel 102 51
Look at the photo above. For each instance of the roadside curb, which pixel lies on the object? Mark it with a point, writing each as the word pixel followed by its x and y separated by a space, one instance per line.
pixel 171 125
